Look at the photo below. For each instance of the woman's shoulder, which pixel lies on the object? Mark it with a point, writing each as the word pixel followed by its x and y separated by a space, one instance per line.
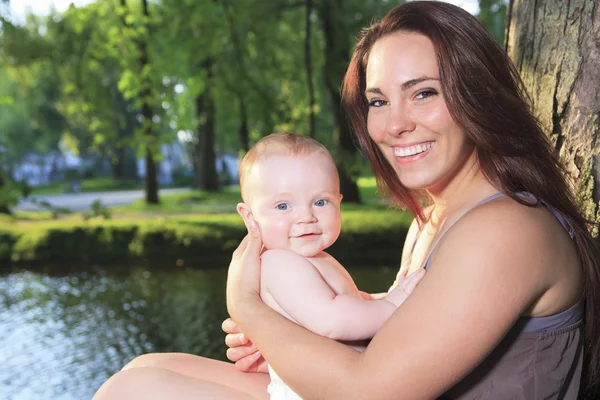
pixel 528 242
pixel 505 217
pixel 501 223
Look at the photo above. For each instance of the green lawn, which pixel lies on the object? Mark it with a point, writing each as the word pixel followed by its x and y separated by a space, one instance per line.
pixel 88 185
pixel 184 226
pixel 225 200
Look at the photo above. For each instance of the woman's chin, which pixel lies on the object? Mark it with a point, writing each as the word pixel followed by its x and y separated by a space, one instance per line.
pixel 417 184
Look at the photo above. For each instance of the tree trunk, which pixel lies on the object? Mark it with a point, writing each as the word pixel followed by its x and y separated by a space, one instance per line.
pixel 3 207
pixel 151 183
pixel 556 48
pixel 206 170
pixel 118 165
pixel 337 57
pixel 308 67
pixel 244 130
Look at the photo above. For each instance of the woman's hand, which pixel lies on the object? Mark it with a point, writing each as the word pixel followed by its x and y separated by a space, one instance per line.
pixel 404 287
pixel 243 277
pixel 241 350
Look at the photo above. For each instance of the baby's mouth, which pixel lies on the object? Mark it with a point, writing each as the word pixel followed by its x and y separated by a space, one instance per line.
pixel 307 235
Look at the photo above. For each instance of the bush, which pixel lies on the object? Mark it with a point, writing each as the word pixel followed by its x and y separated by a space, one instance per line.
pixel 367 236
pixel 7 241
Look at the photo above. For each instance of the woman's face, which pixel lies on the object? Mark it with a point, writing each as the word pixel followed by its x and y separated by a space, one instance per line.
pixel 408 118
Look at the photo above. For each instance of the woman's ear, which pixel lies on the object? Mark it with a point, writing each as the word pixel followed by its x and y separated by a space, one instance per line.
pixel 245 213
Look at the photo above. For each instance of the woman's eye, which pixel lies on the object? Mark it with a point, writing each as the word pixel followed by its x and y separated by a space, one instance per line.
pixel 283 206
pixel 321 202
pixel 423 94
pixel 377 103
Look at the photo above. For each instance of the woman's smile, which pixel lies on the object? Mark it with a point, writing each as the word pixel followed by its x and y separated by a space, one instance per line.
pixel 409 154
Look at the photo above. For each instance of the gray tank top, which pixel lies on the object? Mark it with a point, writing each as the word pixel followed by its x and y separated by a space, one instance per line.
pixel 539 358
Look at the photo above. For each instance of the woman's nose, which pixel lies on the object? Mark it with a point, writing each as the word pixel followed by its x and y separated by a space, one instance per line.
pixel 399 121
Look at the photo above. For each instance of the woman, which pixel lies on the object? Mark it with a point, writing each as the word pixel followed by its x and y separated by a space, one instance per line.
pixel 512 270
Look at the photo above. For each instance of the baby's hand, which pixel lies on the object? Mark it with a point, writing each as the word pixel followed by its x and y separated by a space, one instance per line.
pixel 404 287
pixel 365 295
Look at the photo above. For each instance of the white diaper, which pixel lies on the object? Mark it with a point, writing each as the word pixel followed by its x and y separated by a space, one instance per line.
pixel 279 390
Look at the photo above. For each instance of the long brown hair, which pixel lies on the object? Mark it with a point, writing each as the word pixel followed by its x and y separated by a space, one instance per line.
pixel 486 97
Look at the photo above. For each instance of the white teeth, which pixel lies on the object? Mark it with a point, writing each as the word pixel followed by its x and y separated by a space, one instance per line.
pixel 412 150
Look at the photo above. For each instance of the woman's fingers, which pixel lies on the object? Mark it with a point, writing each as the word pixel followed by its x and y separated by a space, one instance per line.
pixel 238 353
pixel 252 363
pixel 243 277
pixel 254 244
pixel 237 253
pixel 236 339
pixel 229 326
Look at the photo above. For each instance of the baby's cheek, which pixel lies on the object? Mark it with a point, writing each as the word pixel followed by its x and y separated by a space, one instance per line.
pixel 274 237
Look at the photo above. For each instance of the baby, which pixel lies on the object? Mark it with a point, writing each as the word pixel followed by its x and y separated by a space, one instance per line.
pixel 290 187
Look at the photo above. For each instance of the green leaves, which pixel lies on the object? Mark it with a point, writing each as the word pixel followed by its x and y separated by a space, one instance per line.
pixel 76 78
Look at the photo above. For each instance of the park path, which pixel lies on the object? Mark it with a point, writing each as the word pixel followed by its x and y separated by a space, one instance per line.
pixel 83 201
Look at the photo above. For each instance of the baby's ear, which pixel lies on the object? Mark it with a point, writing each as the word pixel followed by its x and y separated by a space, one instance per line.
pixel 245 212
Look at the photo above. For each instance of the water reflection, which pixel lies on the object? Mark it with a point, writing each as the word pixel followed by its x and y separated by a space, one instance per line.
pixel 65 334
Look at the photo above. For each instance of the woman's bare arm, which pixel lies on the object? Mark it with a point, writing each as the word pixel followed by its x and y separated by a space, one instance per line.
pixel 484 275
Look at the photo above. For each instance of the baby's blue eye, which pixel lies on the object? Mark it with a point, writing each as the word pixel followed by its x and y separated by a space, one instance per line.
pixel 283 206
pixel 321 202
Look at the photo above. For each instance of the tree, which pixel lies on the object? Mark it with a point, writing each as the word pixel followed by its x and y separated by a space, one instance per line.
pixel 99 118
pixel 144 88
pixel 151 184
pixel 337 56
pixel 557 53
pixel 492 14
pixel 206 171
pixel 308 67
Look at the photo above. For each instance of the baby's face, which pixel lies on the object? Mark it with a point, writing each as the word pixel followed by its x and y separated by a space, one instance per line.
pixel 296 202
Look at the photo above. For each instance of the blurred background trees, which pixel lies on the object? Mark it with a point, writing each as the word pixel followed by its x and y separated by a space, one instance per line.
pixel 122 84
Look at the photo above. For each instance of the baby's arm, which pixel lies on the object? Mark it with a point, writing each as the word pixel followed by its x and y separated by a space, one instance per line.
pixel 299 289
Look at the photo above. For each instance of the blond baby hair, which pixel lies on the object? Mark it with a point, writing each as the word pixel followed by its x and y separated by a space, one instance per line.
pixel 279 143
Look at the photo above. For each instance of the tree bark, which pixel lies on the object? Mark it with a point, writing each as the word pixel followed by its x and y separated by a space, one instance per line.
pixel 555 45
pixel 206 171
pixel 308 67
pixel 337 57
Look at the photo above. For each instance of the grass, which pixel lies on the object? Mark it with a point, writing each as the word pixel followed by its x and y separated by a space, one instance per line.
pixel 225 200
pixel 90 185
pixel 184 226
pixel 189 204
pixel 197 201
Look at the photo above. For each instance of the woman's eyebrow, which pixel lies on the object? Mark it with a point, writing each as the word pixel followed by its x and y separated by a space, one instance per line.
pixel 405 85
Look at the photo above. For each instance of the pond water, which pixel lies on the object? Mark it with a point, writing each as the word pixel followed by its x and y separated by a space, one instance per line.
pixel 64 333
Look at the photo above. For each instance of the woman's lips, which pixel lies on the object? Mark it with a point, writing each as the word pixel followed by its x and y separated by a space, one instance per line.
pixel 412 158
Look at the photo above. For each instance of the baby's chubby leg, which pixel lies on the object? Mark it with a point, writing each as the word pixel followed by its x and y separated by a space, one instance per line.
pixel 150 383
pixel 197 374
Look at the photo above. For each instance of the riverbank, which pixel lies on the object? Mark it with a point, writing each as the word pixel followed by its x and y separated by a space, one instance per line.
pixel 186 229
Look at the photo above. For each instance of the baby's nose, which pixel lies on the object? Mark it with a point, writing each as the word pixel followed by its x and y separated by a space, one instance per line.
pixel 306 216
